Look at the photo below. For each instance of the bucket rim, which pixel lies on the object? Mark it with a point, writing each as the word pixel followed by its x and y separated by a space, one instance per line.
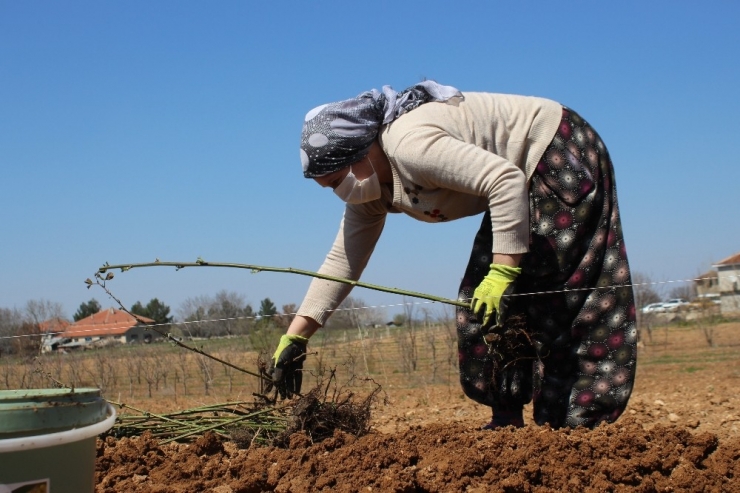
pixel 59 438
pixel 30 395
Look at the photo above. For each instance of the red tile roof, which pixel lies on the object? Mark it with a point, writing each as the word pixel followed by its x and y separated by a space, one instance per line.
pixel 54 325
pixel 110 322
pixel 731 260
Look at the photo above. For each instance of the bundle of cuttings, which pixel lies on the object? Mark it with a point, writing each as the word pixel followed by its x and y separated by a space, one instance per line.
pixel 264 421
pixel 317 413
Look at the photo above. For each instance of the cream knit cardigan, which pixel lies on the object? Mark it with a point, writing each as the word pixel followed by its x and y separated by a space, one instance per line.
pixel 448 161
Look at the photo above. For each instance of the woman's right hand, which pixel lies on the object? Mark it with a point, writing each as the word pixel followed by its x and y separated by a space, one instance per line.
pixel 286 366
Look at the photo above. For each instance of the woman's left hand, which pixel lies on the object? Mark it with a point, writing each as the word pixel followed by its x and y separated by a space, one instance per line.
pixel 487 296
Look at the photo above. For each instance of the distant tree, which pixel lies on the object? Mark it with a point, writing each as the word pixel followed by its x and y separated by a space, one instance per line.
pixel 686 292
pixel 409 309
pixel 409 341
pixel 155 309
pixel 347 315
pixel 284 319
pixel 267 331
pixel 225 314
pixel 10 323
pixel 643 290
pixel 399 319
pixel 249 311
pixel 227 305
pixel 232 311
pixel 267 308
pixel 192 314
pixel 38 311
pixel 139 309
pixel 28 340
pixel 354 313
pixel 644 295
pixel 86 309
pixel 447 319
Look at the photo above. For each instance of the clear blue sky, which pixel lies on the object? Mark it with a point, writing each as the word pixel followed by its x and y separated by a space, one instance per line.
pixel 137 130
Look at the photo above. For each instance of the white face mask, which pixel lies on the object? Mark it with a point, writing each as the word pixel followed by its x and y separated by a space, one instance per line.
pixel 354 191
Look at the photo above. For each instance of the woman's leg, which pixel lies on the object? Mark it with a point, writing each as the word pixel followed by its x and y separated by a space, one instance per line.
pixel 586 323
pixel 480 378
pixel 475 365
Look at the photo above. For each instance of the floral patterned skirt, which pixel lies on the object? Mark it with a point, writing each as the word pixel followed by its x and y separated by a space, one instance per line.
pixel 574 291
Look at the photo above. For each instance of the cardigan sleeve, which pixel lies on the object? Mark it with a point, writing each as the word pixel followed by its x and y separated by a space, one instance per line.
pixel 439 160
pixel 358 234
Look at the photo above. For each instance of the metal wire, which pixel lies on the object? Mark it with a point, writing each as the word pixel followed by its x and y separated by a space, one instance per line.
pixel 95 327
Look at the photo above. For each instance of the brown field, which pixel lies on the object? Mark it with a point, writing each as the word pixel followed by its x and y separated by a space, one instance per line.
pixel 681 431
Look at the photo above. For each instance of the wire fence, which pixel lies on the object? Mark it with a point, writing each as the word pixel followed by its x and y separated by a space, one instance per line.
pixel 218 369
pixel 391 356
pixel 206 322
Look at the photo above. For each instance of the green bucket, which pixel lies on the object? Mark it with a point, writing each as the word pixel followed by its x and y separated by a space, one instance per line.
pixel 47 439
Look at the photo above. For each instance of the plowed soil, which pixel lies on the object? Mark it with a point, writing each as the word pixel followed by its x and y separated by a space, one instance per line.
pixel 680 433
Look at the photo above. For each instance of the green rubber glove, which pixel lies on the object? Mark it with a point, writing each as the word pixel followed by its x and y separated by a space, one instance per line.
pixel 287 365
pixel 487 296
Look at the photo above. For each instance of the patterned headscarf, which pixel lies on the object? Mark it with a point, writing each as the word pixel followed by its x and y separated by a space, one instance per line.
pixel 338 134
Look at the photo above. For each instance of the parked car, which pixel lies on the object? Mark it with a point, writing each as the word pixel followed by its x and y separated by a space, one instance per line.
pixel 708 299
pixel 653 308
pixel 674 304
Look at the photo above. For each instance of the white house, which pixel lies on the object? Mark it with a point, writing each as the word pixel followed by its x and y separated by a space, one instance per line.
pixel 106 326
pixel 728 277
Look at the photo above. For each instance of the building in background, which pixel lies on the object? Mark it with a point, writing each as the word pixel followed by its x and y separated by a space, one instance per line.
pixel 728 283
pixel 707 286
pixel 109 326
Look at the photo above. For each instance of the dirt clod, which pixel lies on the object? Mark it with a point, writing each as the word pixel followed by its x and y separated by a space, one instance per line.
pixel 445 457
pixel 429 439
